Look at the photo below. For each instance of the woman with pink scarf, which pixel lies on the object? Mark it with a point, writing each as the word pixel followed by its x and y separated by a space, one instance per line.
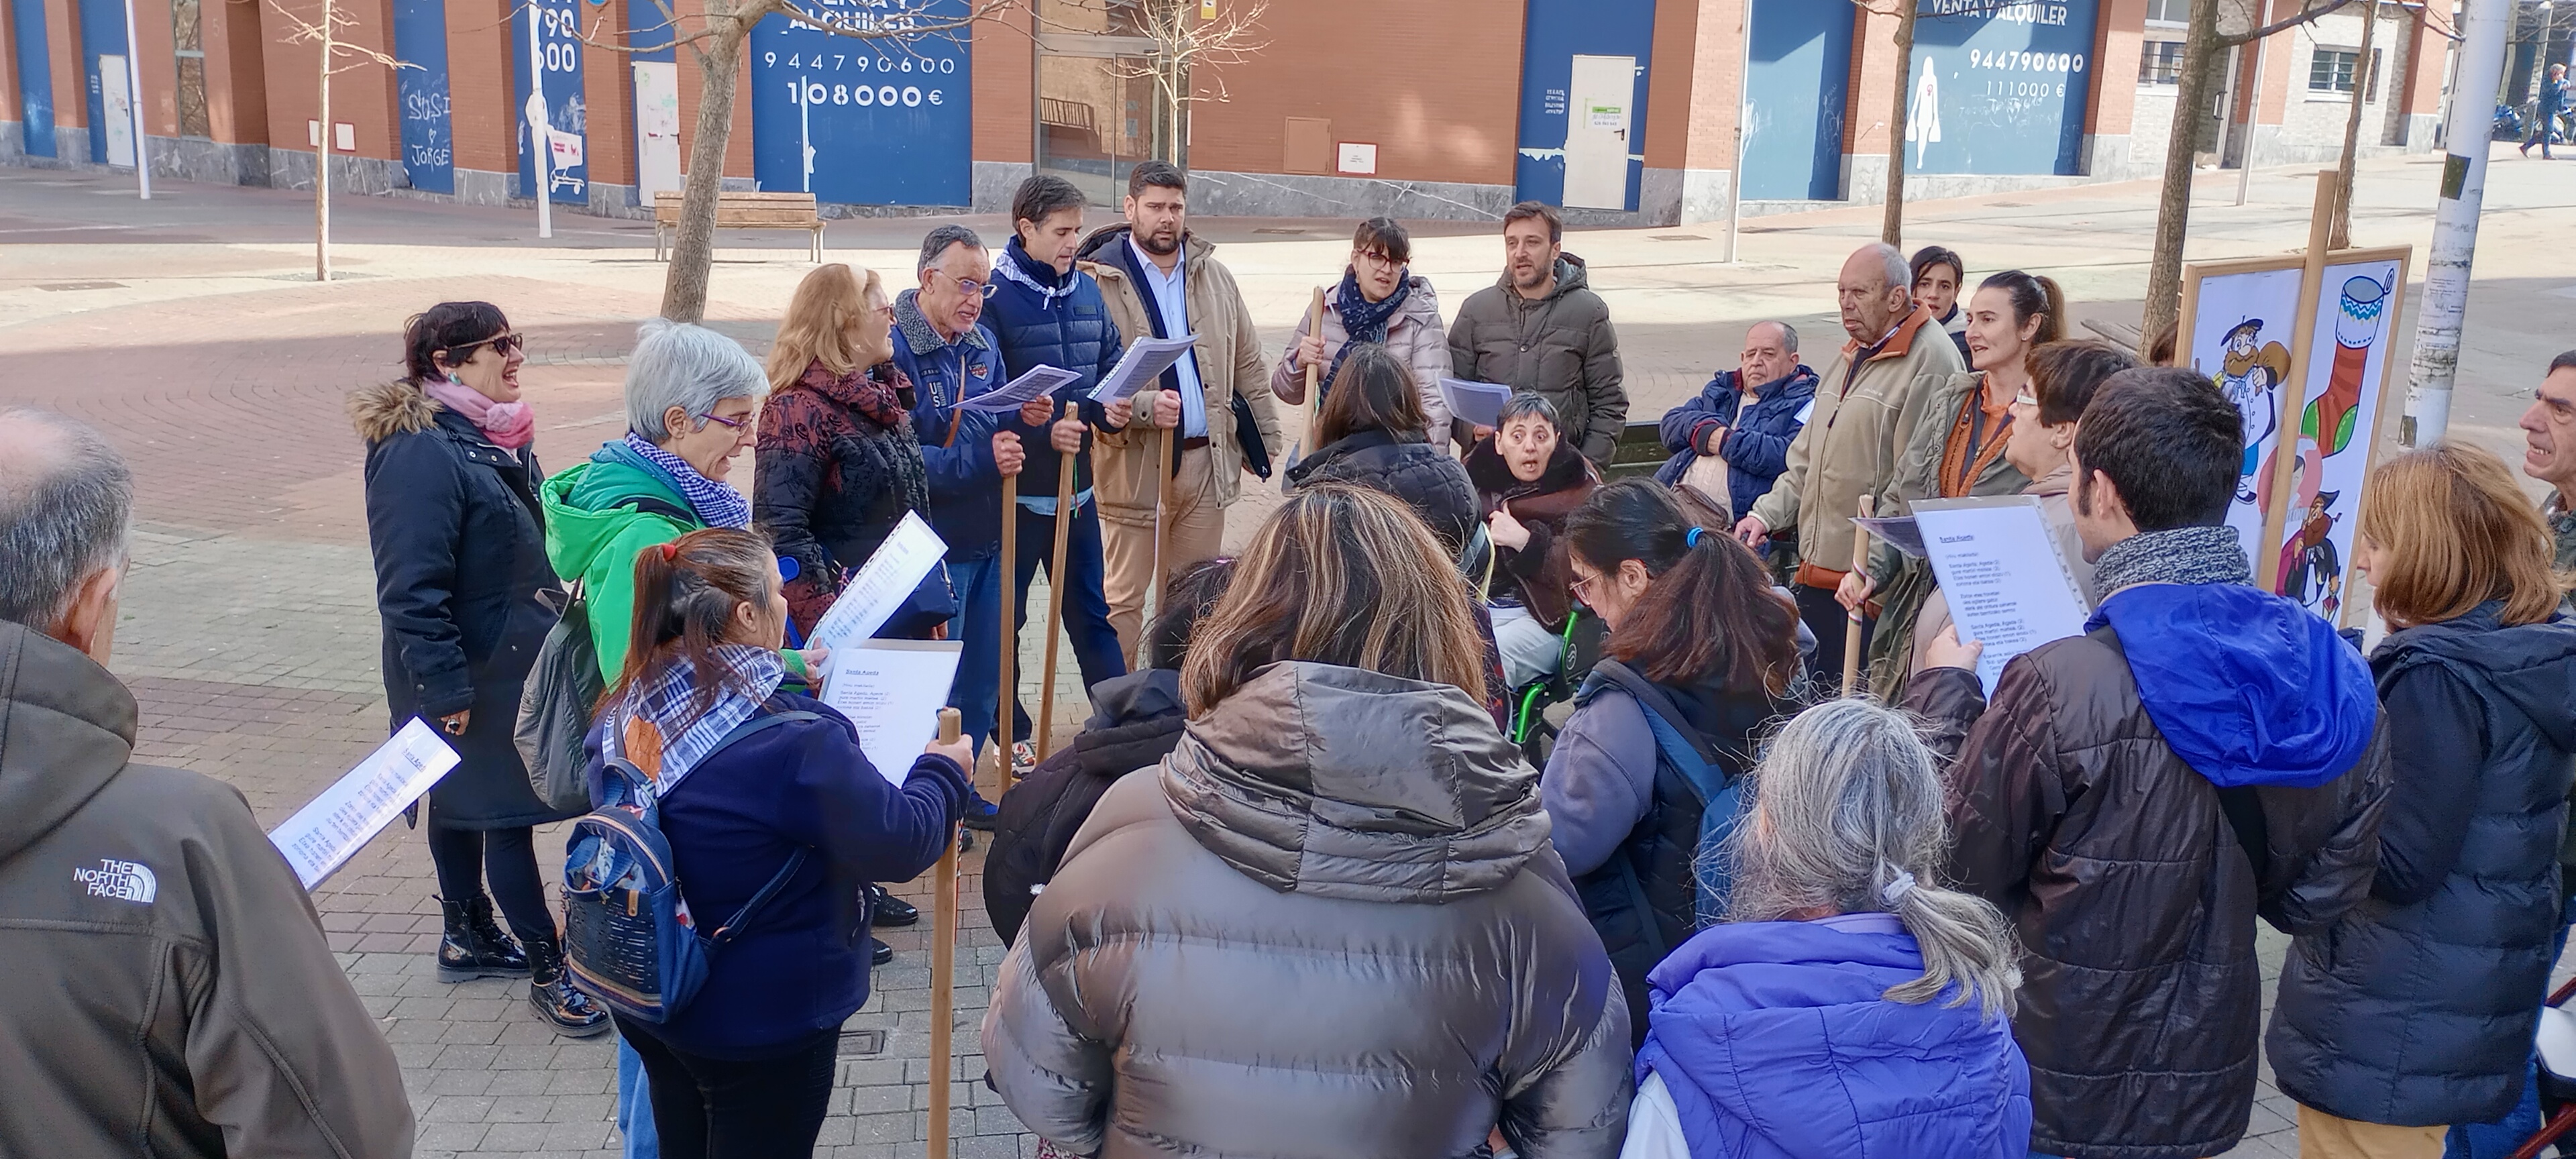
pixel 467 596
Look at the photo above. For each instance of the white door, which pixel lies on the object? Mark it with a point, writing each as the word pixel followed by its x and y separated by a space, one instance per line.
pixel 1599 111
pixel 116 95
pixel 657 128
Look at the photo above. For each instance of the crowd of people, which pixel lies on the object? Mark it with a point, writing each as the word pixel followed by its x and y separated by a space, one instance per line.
pixel 1323 872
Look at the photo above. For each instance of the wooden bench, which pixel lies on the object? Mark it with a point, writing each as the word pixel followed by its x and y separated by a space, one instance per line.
pixel 741 210
pixel 1639 451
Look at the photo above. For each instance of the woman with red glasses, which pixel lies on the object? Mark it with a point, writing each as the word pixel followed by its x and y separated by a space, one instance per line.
pixel 467 596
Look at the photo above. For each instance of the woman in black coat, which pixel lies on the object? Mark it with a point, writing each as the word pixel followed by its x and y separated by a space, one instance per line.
pixel 467 596
pixel 1370 434
pixel 2416 1010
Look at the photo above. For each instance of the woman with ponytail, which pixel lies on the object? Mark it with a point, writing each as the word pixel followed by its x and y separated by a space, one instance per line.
pixel 746 1068
pixel 1952 442
pixel 1851 1004
pixel 1700 656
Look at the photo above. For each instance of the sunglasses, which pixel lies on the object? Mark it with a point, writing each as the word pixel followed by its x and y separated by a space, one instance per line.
pixel 502 344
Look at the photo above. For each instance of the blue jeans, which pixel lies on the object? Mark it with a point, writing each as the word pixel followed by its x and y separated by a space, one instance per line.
pixel 635 1106
pixel 976 692
pixel 1086 601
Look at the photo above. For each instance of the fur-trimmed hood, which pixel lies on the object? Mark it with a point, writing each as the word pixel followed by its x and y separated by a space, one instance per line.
pixel 387 409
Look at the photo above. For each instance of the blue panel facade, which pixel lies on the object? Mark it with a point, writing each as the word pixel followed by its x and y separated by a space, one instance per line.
pixel 102 33
pixel 1557 32
pixel 1796 93
pixel 2000 90
pixel 428 140
pixel 862 122
pixel 35 77
pixel 567 111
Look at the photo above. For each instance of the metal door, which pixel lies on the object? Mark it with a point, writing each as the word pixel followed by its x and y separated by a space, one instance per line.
pixel 119 101
pixel 1600 111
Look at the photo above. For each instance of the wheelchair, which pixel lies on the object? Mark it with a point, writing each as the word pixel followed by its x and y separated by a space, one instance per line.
pixel 1578 649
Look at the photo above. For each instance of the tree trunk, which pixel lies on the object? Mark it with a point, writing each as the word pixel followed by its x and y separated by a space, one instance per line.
pixel 1892 228
pixel 322 159
pixel 693 249
pixel 2362 75
pixel 2173 210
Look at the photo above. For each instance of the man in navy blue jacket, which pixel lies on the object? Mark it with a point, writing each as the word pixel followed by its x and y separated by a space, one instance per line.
pixel 1046 312
pixel 949 356
pixel 1749 430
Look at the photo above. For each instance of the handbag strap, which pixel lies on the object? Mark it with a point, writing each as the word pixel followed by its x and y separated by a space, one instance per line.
pixel 795 860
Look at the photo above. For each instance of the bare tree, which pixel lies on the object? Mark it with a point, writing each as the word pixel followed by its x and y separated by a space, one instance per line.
pixel 2204 47
pixel 324 32
pixel 722 28
pixel 1891 227
pixel 1184 44
pixel 2364 77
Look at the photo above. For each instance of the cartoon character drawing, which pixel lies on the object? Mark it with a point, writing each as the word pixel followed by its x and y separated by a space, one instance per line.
pixel 2311 568
pixel 2330 416
pixel 2251 378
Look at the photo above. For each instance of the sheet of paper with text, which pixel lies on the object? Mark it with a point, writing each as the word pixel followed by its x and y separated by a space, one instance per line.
pixel 2000 569
pixel 892 690
pixel 877 590
pixel 1039 382
pixel 1146 360
pixel 322 835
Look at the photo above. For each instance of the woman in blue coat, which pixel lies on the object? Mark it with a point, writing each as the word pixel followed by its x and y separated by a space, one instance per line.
pixel 1851 1005
pixel 2416 1010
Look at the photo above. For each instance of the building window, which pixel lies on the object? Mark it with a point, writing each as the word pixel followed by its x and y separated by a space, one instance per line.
pixel 2170 13
pixel 188 42
pixel 2331 69
pixel 2160 62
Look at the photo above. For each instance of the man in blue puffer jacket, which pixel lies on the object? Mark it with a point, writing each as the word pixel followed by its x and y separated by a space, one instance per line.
pixel 1046 312
pixel 1747 428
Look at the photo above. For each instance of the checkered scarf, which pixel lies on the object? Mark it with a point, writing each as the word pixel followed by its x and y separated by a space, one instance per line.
pixel 717 504
pixel 656 718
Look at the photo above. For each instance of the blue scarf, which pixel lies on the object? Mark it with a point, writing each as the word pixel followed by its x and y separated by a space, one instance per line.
pixel 1364 320
pixel 717 504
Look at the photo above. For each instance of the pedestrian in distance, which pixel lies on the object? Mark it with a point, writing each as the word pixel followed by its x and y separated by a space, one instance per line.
pixel 1643 782
pixel 2133 797
pixel 1957 436
pixel 1135 722
pixel 467 596
pixel 1371 434
pixel 1939 276
pixel 1528 479
pixel 1851 1003
pixel 170 989
pixel 1213 406
pixel 1541 328
pixel 1329 921
pixel 1379 300
pixel 2548 105
pixel 1852 440
pixel 747 779
pixel 1047 312
pixel 2415 1010
pixel 1732 441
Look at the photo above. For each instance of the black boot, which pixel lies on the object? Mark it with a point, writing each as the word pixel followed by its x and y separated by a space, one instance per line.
pixel 879 953
pixel 890 912
pixel 473 946
pixel 551 995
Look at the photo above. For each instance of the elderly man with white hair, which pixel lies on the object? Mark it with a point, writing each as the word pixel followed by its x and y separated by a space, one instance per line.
pixel 170 991
pixel 1850 443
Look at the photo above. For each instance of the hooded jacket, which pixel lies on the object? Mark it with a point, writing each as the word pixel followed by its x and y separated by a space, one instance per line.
pixel 594 528
pixel 463 588
pixel 1230 366
pixel 1852 441
pixel 1776 1040
pixel 1331 925
pixel 1433 484
pixel 1538 574
pixel 170 991
pixel 1413 335
pixel 2085 803
pixel 1039 317
pixel 1135 722
pixel 1560 346
pixel 2417 1007
pixel 1756 447
pixel 956 445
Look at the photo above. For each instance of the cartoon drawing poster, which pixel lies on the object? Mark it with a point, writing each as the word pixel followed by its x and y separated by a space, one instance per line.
pixel 2240 334
pixel 2346 372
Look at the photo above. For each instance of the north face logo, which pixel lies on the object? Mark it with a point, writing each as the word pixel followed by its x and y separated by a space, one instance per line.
pixel 122 880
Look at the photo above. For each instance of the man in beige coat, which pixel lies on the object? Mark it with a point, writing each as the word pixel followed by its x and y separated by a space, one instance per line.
pixel 1850 445
pixel 1160 281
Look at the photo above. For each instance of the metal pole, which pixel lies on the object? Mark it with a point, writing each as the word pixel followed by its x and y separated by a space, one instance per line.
pixel 1743 108
pixel 134 101
pixel 2484 24
pixel 2253 112
pixel 540 137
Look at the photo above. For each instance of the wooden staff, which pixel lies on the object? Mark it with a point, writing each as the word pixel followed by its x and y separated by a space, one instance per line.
pixel 1055 594
pixel 1008 698
pixel 1315 370
pixel 1851 631
pixel 943 966
pixel 1163 444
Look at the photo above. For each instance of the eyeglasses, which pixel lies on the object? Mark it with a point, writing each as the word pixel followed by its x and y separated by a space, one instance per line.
pixel 1374 257
pixel 2026 398
pixel 1583 588
pixel 971 286
pixel 732 424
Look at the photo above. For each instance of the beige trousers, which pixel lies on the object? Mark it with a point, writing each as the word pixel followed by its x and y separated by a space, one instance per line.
pixel 2323 1136
pixel 1193 530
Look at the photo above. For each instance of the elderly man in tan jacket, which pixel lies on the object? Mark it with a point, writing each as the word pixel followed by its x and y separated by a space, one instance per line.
pixel 1160 281
pixel 1851 442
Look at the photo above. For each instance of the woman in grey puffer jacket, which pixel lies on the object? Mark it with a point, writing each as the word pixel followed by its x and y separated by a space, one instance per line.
pixel 1332 925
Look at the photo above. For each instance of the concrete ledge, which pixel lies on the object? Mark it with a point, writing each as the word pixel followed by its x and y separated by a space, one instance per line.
pixel 995 181
pixel 1222 194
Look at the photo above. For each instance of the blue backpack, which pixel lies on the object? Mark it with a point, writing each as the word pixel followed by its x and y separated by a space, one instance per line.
pixel 1720 792
pixel 629 940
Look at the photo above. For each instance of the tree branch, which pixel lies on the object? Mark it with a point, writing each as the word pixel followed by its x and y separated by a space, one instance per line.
pixel 2304 16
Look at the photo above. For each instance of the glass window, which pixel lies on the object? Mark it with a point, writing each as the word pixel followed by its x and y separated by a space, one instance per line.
pixel 2169 12
pixel 187 37
pixel 2330 70
pixel 2160 62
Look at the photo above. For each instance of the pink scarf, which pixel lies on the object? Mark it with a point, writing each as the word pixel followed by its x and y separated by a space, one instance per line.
pixel 510 425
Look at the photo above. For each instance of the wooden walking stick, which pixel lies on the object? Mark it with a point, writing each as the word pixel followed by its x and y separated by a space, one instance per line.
pixel 1008 699
pixel 1164 444
pixel 1851 631
pixel 943 967
pixel 1055 595
pixel 1315 370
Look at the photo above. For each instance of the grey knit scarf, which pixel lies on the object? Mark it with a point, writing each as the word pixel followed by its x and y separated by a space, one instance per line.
pixel 2184 555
